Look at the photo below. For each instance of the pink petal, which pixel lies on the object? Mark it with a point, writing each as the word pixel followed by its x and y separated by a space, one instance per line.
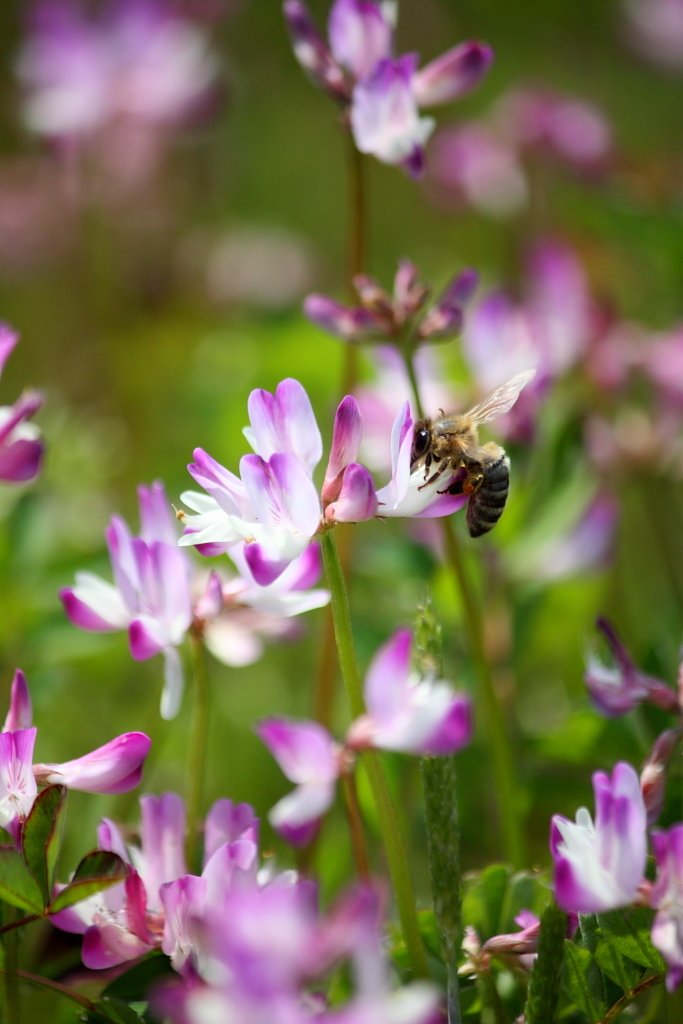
pixel 360 35
pixel 346 439
pixel 357 501
pixel 21 460
pixel 136 908
pixel 387 676
pixel 95 605
pixel 163 840
pixel 147 637
pixel 296 816
pixel 452 74
pixel 226 823
pixel 8 339
pixel 305 751
pixel 114 768
pixel 20 715
pixel 106 945
pixel 455 731
pixel 156 519
pixel 209 605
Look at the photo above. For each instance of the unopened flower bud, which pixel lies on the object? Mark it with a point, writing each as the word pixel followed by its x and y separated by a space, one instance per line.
pixel 653 773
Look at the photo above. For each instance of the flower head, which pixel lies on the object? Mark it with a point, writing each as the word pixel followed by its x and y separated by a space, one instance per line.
pixel 600 866
pixel 667 898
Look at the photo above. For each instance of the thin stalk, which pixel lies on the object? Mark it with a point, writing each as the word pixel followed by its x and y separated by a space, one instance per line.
pixel 358 846
pixel 412 377
pixel 199 731
pixel 20 922
pixel 10 943
pixel 357 244
pixel 55 986
pixel 502 764
pixel 386 812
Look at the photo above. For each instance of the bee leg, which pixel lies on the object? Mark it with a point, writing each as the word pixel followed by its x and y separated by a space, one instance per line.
pixel 435 476
pixel 428 462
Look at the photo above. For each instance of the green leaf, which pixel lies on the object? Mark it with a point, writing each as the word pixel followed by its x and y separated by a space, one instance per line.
pixel 113 1011
pixel 483 905
pixel 43 835
pixel 622 970
pixel 628 931
pixel 18 887
pixel 582 982
pixel 134 984
pixel 97 871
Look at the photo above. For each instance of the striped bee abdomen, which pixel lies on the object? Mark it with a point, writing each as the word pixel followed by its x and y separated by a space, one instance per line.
pixel 486 505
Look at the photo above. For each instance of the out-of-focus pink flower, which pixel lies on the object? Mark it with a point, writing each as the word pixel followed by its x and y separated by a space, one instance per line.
pixel 385 92
pixel 114 768
pixel 155 905
pixel 263 945
pixel 667 928
pixel 654 771
pixel 381 316
pixel 21 450
pixel 249 614
pixel 308 756
pixel 407 712
pixel 584 548
pixel 151 594
pixel 600 866
pixel 619 689
pixel 549 330
pixel 661 357
pixel 139 60
pixel 483 161
pixel 657 29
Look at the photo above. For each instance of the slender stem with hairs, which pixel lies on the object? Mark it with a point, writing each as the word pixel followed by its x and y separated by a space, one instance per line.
pixel 196 763
pixel 386 811
pixel 502 764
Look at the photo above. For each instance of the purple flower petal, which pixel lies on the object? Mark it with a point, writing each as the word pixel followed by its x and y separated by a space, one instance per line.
pixel 350 323
pixel 20 714
pixel 304 750
pixel 357 500
pixel 156 520
pixel 346 438
pixel 384 115
pixel 360 35
pixel 312 51
pixel 227 822
pixel 452 74
pixel 114 768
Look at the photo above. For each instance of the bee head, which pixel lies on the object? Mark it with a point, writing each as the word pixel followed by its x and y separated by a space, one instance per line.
pixel 421 441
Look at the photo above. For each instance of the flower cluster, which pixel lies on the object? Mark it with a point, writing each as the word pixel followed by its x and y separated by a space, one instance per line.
pixel 21 449
pixel 398 319
pixel 382 93
pixel 274 507
pixel 406 712
pixel 246 940
pixel 159 595
pixel 600 865
pixel 114 768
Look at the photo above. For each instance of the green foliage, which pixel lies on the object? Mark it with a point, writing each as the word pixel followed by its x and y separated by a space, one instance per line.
pixel 133 985
pixel 98 870
pixel 18 886
pixel 545 982
pixel 42 836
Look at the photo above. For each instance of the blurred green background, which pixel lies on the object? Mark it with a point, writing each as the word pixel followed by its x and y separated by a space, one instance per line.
pixel 143 358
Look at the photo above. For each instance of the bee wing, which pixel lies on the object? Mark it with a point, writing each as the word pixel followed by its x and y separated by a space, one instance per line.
pixel 502 399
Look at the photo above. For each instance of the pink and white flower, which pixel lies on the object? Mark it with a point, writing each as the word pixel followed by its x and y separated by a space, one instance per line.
pixel 21 449
pixel 406 711
pixel 600 866
pixel 619 688
pixel 384 94
pixel 150 597
pixel 667 899
pixel 114 768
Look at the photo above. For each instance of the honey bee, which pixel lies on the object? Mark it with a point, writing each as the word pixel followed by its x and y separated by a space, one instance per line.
pixel 452 442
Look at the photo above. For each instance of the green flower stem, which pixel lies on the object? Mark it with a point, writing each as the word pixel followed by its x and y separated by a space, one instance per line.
pixel 10 944
pixel 502 764
pixel 356 248
pixel 360 853
pixel 199 731
pixel 412 377
pixel 543 995
pixel 386 812
pixel 55 986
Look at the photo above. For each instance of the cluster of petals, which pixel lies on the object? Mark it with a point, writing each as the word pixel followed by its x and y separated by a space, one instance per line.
pixel 114 768
pixel 380 316
pixel 157 904
pixel 262 947
pixel 273 508
pixel 406 712
pixel 619 688
pixel 482 162
pixel 136 61
pixel 600 866
pixel 21 448
pixel 520 946
pixel 384 94
pixel 158 594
